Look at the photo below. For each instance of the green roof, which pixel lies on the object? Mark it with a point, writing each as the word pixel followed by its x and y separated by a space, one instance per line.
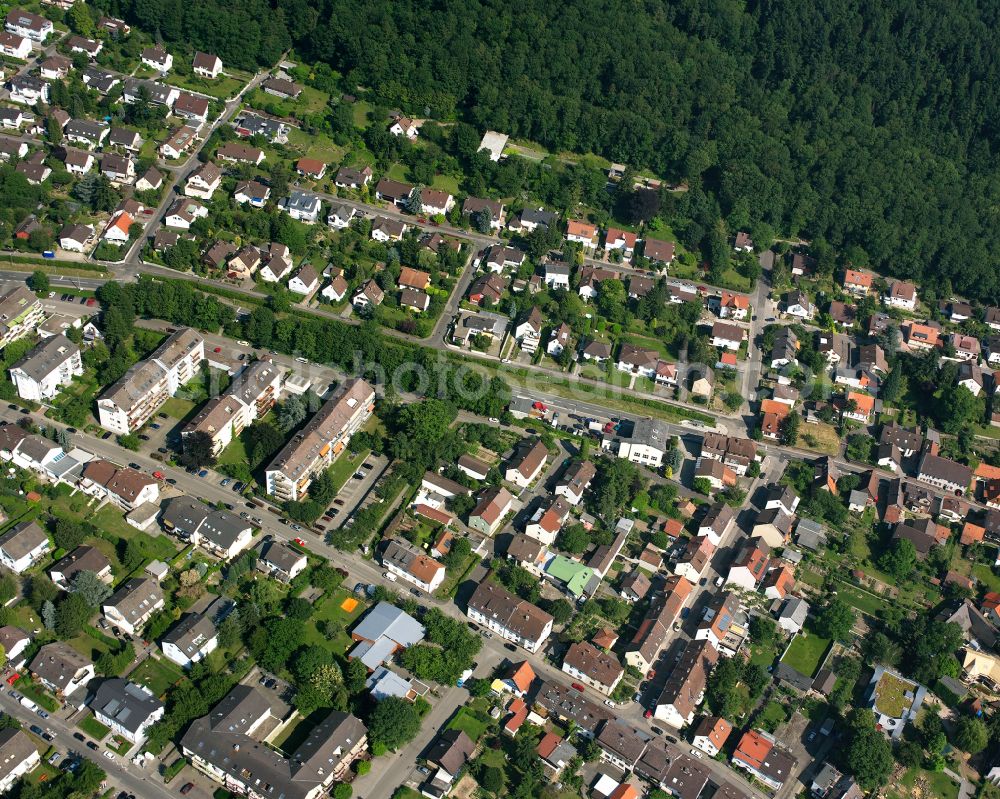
pixel 573 573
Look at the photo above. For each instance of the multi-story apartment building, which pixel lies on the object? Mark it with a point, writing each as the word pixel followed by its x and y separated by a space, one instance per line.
pixel 20 313
pixel 40 373
pixel 319 443
pixel 249 397
pixel 130 402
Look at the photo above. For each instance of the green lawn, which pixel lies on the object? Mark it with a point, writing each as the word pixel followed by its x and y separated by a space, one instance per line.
pixel 38 694
pixel 470 722
pixel 346 465
pixel 328 609
pixel 221 88
pixel 772 716
pixel 862 600
pixel 178 408
pixel 93 728
pixel 234 454
pixel 932 785
pixel 805 653
pixel 446 183
pixel 157 675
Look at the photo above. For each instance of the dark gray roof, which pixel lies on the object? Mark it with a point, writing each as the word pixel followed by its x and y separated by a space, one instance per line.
pixel 190 516
pixel 58 663
pixel 22 539
pixel 47 356
pixel 128 704
pixel 191 633
pixel 220 738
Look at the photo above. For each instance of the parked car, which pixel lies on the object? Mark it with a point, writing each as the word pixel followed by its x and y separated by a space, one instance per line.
pixel 203 473
pixel 37 730
pixel 299 541
pixel 79 736
pixel 186 788
pixel 92 745
pixel 576 687
pixel 134 466
pixel 144 438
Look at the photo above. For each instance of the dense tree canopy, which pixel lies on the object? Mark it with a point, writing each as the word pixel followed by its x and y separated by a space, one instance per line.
pixel 870 126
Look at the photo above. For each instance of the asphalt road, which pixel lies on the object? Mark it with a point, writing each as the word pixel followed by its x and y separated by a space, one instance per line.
pixel 122 773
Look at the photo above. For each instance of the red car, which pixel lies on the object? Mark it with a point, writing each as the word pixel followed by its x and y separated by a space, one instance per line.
pixel 577 686
pixel 539 406
pixel 159 475
pixel 300 542
pixel 648 714
pixel 217 349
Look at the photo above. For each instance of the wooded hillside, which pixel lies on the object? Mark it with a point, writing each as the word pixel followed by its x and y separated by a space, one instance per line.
pixel 872 125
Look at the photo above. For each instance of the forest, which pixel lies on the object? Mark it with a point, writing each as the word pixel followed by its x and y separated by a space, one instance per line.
pixel 870 126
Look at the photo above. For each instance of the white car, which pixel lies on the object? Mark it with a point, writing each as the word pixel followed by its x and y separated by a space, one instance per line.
pixel 108 755
pixel 390 577
pixel 609 703
pixel 494 420
pixel 697 754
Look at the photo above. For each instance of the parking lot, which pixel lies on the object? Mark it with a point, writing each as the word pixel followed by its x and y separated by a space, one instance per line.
pixel 356 489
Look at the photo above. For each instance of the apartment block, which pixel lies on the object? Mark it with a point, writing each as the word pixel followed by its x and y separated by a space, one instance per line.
pixel 40 374
pixel 130 402
pixel 319 443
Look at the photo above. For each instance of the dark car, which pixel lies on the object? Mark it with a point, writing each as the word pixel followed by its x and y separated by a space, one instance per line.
pixel 155 426
pixel 203 473
pixel 238 487
pixel 163 416
pixel 12 407
pixel 164 450
pixel 25 411
pixel 106 436
pixel 37 730
pixel 70 429
pixel 510 647
pixel 171 481
pixel 92 745
pixel 134 466
pixel 144 438
pixel 186 789
pixel 79 736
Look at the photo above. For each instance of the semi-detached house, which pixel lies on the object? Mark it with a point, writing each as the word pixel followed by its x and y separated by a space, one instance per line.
pixel 512 618
pixel 527 463
pixel 588 664
pixel 319 443
pixel 126 488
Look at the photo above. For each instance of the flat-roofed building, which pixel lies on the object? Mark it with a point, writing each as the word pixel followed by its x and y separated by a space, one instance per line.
pixel 20 313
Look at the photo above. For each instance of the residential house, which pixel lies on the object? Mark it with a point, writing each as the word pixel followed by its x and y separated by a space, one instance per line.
pixel 22 546
pixel 18 757
pixel 352 178
pixel 710 735
pixel 719 616
pixel 302 205
pixel 574 481
pixel 943 473
pixel 410 564
pixel 133 604
pixel 125 487
pixel 750 565
pixel 282 561
pixel 220 532
pixel 323 438
pixel 728 336
pixel 658 252
pixel 474 205
pixel 203 182
pixel 128 709
pixel 582 233
pixel 527 463
pixel 685 687
pixel 793 615
pixel 492 508
pixel 61 669
pixel 252 193
pixel 392 191
pixel 797 304
pixel 30 25
pixel 900 294
pixel 52 364
pixel 281 88
pixel 305 281
pixel 512 618
pixel 617 239
pixel 759 753
pixel 205 65
pixel 404 126
pixel 560 339
pixel 14 46
pixel 600 670
pixel 226 745
pixel 157 58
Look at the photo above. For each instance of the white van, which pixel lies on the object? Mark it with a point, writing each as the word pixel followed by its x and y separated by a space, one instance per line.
pixel 390 577
pixel 29 704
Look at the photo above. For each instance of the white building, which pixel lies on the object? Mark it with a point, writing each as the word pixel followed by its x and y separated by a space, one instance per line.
pixel 190 641
pixel 129 403
pixel 23 546
pixel 53 363
pixel 492 606
pixel 319 443
pixel 133 604
pixel 18 757
pixel 410 564
pixel 302 205
pixel 128 709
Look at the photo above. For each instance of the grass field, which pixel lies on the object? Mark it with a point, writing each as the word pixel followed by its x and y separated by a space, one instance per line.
pixel 772 716
pixel 93 728
pixel 157 675
pixel 805 653
pixel 469 722
pixel 345 466
pixel 234 454
pixel 178 408
pixel 922 784
pixel 863 601
pixel 819 437
pixel 329 609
